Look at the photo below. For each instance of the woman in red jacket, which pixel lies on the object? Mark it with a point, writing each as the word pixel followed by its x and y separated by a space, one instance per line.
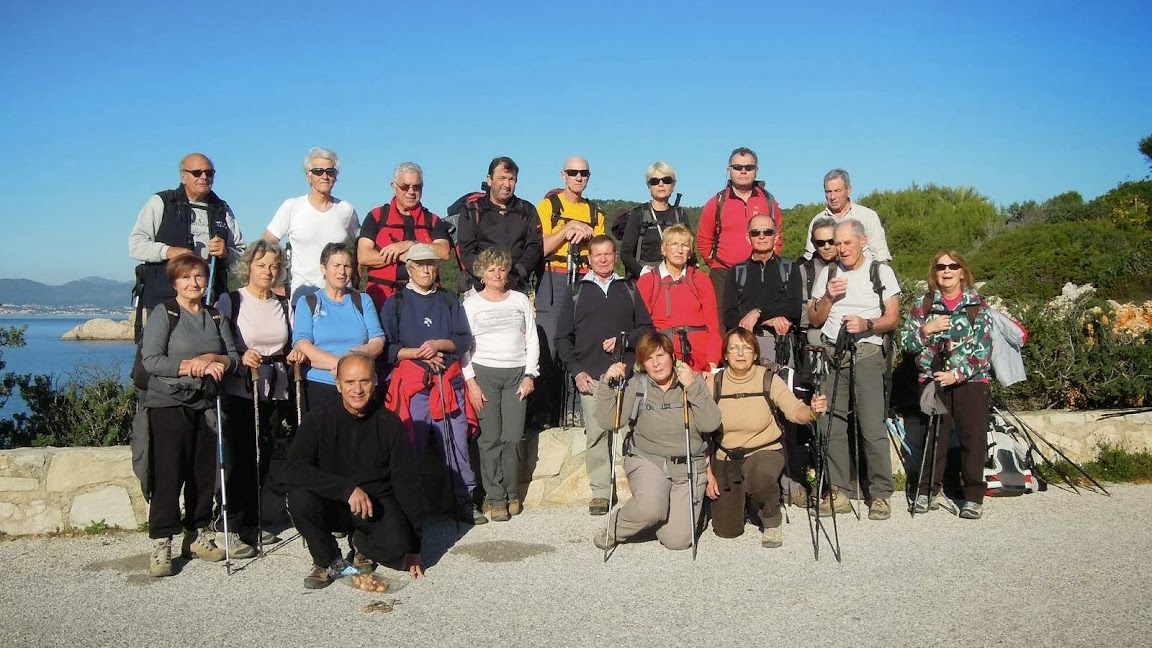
pixel 682 302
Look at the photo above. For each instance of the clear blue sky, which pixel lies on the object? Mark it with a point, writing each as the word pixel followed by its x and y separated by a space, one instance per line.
pixel 1017 99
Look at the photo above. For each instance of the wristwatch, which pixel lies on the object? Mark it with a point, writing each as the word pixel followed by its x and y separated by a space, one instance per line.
pixel 870 325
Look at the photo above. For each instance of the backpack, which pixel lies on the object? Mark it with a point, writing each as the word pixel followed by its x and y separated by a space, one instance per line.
pixel 720 199
pixel 357 300
pixel 455 210
pixel 139 374
pixel 553 197
pixel 769 373
pixel 620 220
pixel 741 272
pixel 1010 467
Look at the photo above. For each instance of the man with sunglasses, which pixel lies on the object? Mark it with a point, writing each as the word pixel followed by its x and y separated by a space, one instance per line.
pixel 313 220
pixel 824 242
pixel 394 227
pixel 722 238
pixel 838 197
pixel 762 294
pixel 190 219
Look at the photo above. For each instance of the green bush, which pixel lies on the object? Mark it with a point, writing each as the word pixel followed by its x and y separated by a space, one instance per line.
pixel 92 407
pixel 1111 465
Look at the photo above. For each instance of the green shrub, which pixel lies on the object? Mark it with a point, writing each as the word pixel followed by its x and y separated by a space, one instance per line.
pixel 91 407
pixel 1111 465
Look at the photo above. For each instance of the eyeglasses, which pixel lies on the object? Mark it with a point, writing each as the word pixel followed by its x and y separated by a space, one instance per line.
pixel 196 173
pixel 652 182
pixel 823 242
pixel 742 167
pixel 740 350
pixel 405 188
pixel 756 233
pixel 941 267
pixel 679 246
pixel 330 172
pixel 572 173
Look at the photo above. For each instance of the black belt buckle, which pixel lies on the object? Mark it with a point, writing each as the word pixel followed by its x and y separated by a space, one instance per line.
pixel 678 460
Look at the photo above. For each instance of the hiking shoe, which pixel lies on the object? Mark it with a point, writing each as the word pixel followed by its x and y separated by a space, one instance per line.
pixel 799 497
pixel 971 511
pixel 515 507
pixel 318 578
pixel 598 506
pixel 838 501
pixel 772 538
pixel 199 544
pixel 601 540
pixel 921 505
pixel 471 515
pixel 248 535
pixel 880 510
pixel 499 513
pixel 362 563
pixel 237 548
pixel 160 559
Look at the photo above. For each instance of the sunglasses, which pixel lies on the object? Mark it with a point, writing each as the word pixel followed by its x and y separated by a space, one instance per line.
pixel 756 233
pixel 572 173
pixel 941 267
pixel 196 173
pixel 668 180
pixel 405 188
pixel 823 242
pixel 330 172
pixel 742 167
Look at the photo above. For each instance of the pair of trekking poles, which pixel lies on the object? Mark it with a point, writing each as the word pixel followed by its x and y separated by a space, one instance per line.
pixel 621 341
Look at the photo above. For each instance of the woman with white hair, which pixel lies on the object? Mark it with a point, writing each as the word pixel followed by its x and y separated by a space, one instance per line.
pixel 641 242
pixel 313 220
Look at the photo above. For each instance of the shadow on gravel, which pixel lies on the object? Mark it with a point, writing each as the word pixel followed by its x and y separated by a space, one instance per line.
pixel 502 551
pixel 135 568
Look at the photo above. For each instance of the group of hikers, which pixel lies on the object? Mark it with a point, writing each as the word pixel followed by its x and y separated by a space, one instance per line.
pixel 719 370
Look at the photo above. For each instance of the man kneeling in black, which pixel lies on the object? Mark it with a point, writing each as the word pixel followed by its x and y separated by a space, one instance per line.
pixel 350 469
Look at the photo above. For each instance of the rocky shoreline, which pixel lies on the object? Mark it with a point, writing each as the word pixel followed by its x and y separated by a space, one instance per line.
pixel 103 329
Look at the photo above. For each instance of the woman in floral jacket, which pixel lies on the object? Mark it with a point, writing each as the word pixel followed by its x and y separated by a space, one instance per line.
pixel 951 331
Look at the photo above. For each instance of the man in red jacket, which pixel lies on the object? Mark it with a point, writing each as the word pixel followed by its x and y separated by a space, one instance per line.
pixel 722 237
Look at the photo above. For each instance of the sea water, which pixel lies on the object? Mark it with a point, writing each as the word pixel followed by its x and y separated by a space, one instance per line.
pixel 45 353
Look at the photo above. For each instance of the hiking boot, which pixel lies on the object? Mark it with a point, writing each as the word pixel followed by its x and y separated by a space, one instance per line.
pixel 160 559
pixel 515 507
pixel 799 497
pixel 880 510
pixel 772 538
pixel 318 578
pixel 921 505
pixel 598 506
pixel 237 548
pixel 600 539
pixel 838 501
pixel 471 515
pixel 971 511
pixel 248 535
pixel 499 513
pixel 362 563
pixel 199 544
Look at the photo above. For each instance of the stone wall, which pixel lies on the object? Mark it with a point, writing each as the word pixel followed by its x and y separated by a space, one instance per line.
pixel 43 490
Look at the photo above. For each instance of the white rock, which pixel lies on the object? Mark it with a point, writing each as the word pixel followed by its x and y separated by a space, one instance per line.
pixel 110 504
pixel 70 469
pixel 28 519
pixel 18 484
pixel 551 451
pixel 101 329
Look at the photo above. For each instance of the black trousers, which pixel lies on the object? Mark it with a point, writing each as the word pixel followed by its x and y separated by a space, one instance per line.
pixel 968 405
pixel 385 537
pixel 183 458
pixel 240 446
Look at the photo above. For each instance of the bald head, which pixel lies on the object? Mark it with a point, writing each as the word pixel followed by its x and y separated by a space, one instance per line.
pixel 196 175
pixel 353 359
pixel 575 174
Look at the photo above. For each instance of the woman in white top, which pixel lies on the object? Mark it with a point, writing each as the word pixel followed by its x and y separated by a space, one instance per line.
pixel 501 374
pixel 313 220
pixel 260 323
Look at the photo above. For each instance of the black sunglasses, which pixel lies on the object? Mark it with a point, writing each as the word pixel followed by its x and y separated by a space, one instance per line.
pixel 404 188
pixel 652 182
pixel 572 173
pixel 756 233
pixel 742 167
pixel 196 173
pixel 330 172
pixel 941 267
pixel 823 242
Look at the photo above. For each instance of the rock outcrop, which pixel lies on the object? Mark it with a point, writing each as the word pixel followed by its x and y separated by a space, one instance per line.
pixel 103 329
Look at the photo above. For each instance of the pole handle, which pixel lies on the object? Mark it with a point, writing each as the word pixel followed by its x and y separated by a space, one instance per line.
pixel 254 374
pixel 297 372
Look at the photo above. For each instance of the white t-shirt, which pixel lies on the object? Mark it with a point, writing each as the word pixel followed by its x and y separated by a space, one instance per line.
pixel 860 299
pixel 310 230
pixel 504 333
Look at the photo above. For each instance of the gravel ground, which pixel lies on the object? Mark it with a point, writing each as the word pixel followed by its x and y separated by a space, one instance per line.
pixel 1051 569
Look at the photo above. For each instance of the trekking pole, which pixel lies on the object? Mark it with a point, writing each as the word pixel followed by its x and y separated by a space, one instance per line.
pixel 816 527
pixel 856 438
pixel 449 448
pixel 255 373
pixel 298 378
pixel 211 280
pixel 691 471
pixel 223 484
pixel 617 356
pixel 1029 432
pixel 933 431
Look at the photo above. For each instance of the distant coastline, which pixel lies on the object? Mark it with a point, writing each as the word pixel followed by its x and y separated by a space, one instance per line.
pixel 37 310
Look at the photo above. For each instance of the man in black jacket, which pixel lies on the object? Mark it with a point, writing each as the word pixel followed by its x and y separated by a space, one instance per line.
pixel 350 469
pixel 763 294
pixel 603 305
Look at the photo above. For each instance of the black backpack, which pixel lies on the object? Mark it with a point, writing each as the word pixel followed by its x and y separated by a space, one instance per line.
pixel 139 374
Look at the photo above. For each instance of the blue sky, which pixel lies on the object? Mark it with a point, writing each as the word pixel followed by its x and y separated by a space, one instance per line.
pixel 1017 99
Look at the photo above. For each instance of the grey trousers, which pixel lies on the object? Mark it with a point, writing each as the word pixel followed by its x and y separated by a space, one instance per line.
pixel 873 441
pixel 501 432
pixel 598 455
pixel 660 499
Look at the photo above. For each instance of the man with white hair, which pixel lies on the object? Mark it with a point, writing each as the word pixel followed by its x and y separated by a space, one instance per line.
pixel 313 220
pixel 838 197
pixel 391 229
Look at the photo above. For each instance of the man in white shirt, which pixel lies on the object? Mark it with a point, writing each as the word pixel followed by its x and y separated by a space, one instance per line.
pixel 838 197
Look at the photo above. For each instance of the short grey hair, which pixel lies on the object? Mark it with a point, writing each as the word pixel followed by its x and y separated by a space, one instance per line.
pixel 255 250
pixel 659 170
pixel 323 154
pixel 824 221
pixel 856 226
pixel 838 174
pixel 407 167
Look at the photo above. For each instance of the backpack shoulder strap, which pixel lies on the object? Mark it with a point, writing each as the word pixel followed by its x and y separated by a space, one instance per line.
pixel 357 301
pixel 720 196
pixel 877 284
pixel 741 272
pixel 557 209
pixel 593 214
pixel 786 266
pixel 399 297
pixel 926 303
pixel 717 385
pixel 234 303
pixel 311 300
pixel 172 309
pixel 641 396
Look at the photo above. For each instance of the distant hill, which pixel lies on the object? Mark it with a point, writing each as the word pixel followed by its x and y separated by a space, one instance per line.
pixel 90 291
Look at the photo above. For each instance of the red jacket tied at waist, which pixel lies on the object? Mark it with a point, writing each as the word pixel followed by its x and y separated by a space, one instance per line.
pixel 411 377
